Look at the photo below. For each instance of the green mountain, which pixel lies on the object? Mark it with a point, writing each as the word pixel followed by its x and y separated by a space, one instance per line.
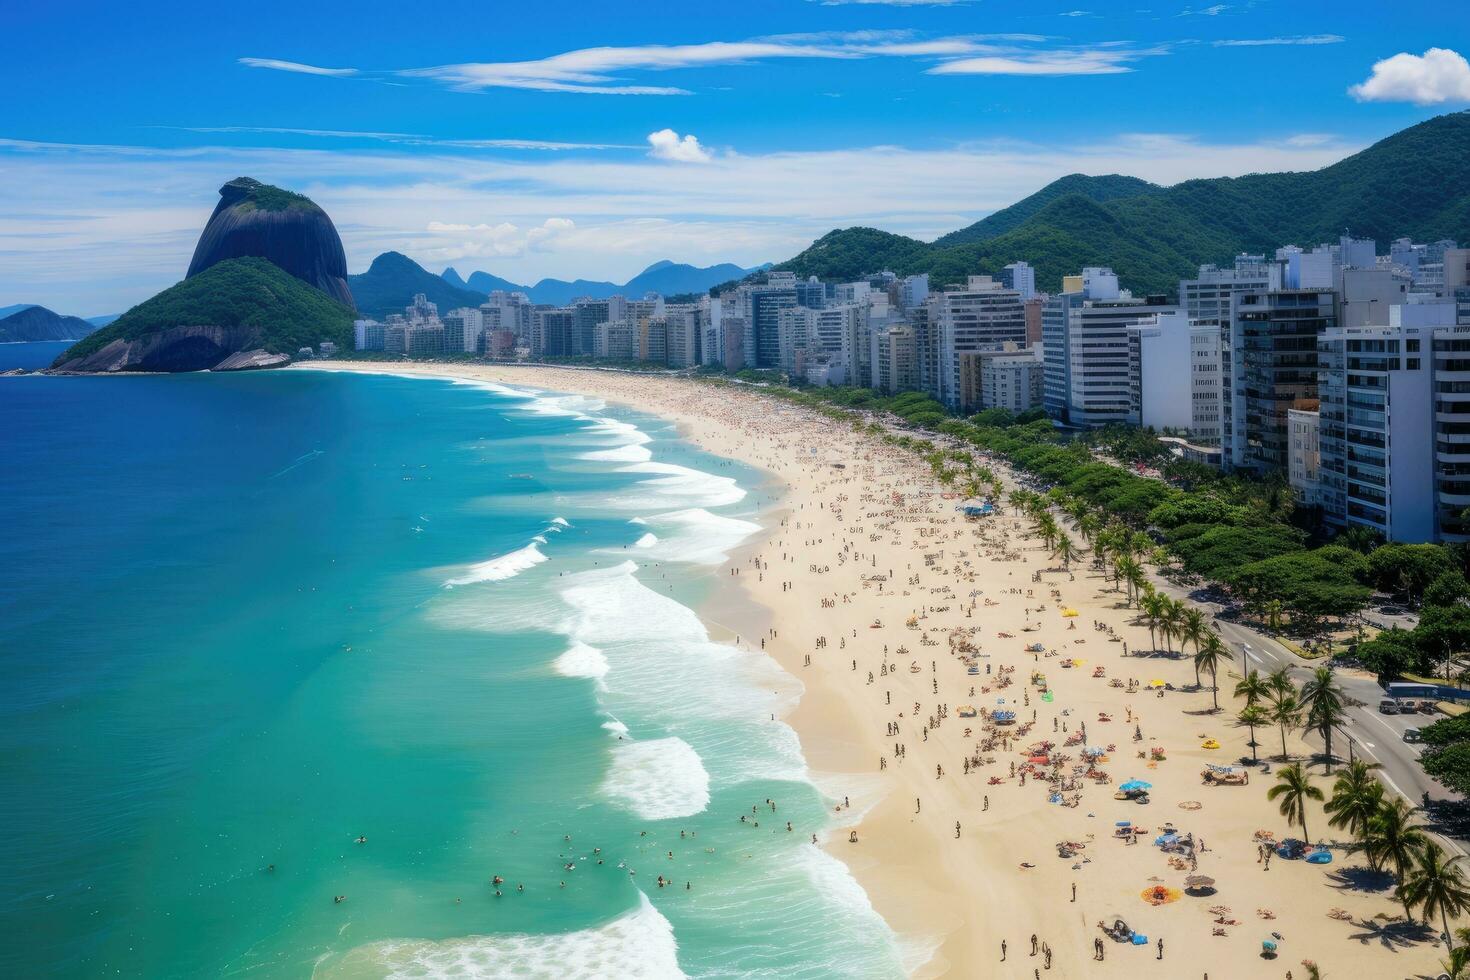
pixel 392 280
pixel 29 323
pixel 1106 188
pixel 1415 183
pixel 235 305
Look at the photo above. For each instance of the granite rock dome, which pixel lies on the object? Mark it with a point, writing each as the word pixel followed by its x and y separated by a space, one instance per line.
pixel 285 228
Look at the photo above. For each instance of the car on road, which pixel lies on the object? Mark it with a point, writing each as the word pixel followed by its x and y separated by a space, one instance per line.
pixel 1412 735
pixel 1388 706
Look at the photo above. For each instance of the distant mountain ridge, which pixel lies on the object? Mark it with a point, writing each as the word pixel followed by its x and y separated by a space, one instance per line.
pixel 25 323
pixel 391 281
pixel 666 277
pixel 1414 183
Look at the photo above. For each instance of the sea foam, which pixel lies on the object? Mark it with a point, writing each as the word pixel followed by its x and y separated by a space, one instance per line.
pixel 501 567
pixel 695 535
pixel 657 779
pixel 639 945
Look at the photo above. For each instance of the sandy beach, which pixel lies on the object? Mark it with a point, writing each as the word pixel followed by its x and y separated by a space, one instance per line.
pixel 899 616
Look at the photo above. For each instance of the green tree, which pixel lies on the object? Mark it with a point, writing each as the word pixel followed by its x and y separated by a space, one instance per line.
pixel 1408 568
pixel 1286 712
pixel 1393 839
pixel 1436 884
pixel 1152 606
pixel 1357 796
pixel 1326 707
pixel 1066 550
pixel 1292 792
pixel 1207 657
pixel 1192 629
pixel 1173 620
pixel 1251 716
pixel 1253 687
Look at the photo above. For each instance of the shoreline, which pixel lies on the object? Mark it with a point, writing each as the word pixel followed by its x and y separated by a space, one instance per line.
pixel 957 863
pixel 823 722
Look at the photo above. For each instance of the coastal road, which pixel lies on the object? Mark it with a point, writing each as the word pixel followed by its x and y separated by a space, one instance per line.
pixel 1364 732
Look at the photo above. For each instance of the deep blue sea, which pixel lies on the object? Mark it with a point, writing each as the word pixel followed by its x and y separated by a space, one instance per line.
pixel 246 620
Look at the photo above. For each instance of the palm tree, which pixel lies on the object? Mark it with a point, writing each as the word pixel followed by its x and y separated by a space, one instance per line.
pixel 1207 657
pixel 1136 577
pixel 1286 712
pixel 1046 526
pixel 1123 569
pixel 1066 551
pixel 1192 629
pixel 1173 620
pixel 1279 681
pixel 1254 688
pixel 1253 715
pixel 1152 606
pixel 1457 965
pixel 1394 839
pixel 1140 543
pixel 1325 706
pixel 1436 885
pixel 1087 526
pixel 1273 615
pixel 1357 795
pixel 1294 788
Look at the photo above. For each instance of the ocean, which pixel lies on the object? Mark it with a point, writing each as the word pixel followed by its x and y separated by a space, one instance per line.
pixel 247 620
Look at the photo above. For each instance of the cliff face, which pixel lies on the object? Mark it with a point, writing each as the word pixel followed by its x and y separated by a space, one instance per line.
pixel 289 230
pixel 174 349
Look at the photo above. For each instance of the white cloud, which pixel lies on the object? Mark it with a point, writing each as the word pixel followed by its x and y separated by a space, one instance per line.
pixel 409 139
pixel 93 229
pixel 1075 13
pixel 297 67
pixel 1438 75
pixel 667 145
pixel 1261 42
pixel 604 70
pixel 590 69
pixel 503 240
pixel 1093 61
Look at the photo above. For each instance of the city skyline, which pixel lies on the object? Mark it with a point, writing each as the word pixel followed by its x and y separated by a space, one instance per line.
pixel 619 139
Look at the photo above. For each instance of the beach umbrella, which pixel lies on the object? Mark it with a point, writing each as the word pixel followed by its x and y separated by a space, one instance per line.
pixel 1123 823
pixel 1160 895
pixel 1199 883
pixel 1135 784
pixel 1156 682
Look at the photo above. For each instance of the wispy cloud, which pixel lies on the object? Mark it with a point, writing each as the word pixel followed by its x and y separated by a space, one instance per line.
pixel 294 66
pixel 409 139
pixel 1215 10
pixel 1080 61
pixel 288 131
pixel 1262 42
pixel 605 70
pixel 1438 75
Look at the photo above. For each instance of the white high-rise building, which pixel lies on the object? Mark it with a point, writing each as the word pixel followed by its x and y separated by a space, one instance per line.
pixel 1377 429
pixel 980 317
pixel 1160 362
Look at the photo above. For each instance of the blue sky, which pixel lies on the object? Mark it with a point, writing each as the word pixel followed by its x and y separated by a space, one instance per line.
pixel 590 139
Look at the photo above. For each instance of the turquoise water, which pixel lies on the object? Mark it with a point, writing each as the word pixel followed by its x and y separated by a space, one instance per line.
pixel 245 620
